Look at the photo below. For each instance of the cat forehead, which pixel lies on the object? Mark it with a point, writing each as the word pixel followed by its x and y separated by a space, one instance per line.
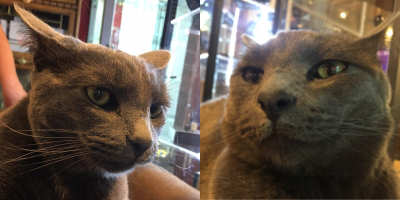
pixel 302 45
pixel 95 64
pixel 112 59
pixel 309 39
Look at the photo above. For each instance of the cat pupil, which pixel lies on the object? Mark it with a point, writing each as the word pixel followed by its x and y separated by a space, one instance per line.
pixel 252 75
pixel 331 70
pixel 153 108
pixel 98 94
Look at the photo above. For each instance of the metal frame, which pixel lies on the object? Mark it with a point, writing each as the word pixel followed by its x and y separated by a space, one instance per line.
pixel 213 49
pixel 168 27
pixel 108 20
pixel 393 73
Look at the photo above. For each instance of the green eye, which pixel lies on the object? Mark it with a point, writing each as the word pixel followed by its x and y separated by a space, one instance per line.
pixel 155 111
pixel 331 68
pixel 99 96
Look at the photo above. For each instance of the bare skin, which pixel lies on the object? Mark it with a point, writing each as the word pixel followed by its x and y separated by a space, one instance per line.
pixel 152 182
pixel 12 88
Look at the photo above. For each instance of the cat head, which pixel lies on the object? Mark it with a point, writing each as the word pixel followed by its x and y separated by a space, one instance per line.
pixel 105 106
pixel 306 98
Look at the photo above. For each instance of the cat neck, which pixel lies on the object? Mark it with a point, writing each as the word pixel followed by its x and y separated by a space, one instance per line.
pixel 231 170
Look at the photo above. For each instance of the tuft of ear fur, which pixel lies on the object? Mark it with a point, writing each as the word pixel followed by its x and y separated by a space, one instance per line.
pixel 159 59
pixel 249 41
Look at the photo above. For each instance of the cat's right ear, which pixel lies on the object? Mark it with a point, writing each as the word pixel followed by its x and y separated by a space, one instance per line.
pixel 43 42
pixel 249 41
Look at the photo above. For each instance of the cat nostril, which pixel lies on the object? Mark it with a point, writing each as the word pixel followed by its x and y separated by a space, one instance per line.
pixel 139 149
pixel 282 103
pixel 274 104
pixel 262 105
pixel 139 146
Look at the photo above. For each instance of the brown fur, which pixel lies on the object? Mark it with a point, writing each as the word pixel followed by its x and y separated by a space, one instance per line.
pixel 330 143
pixel 56 143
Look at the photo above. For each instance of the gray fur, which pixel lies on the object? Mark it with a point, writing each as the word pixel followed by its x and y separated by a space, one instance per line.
pixel 331 143
pixel 58 120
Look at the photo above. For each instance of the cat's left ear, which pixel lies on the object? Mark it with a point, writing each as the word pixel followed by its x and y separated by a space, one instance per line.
pixel 159 59
pixel 371 40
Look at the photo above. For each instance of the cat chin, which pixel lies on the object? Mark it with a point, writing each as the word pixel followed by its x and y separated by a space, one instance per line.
pixel 113 174
pixel 115 169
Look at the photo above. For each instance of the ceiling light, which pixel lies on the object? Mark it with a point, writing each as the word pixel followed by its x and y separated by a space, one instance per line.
pixel 389 32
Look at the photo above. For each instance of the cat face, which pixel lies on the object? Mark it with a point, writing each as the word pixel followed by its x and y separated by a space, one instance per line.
pixel 304 97
pixel 105 107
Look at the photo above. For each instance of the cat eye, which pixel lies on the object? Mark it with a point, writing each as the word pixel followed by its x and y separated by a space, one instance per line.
pixel 330 68
pixel 155 111
pixel 99 96
pixel 252 74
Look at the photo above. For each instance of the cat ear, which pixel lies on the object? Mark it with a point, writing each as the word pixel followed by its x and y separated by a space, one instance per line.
pixel 249 41
pixel 371 40
pixel 37 27
pixel 158 59
pixel 49 48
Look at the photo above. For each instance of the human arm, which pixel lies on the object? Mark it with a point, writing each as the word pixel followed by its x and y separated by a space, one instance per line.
pixel 10 84
pixel 152 182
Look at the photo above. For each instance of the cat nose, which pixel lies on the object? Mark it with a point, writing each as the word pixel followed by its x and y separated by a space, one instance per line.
pixel 140 137
pixel 274 104
pixel 140 145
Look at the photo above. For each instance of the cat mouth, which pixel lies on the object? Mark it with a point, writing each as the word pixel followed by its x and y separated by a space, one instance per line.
pixel 122 165
pixel 115 163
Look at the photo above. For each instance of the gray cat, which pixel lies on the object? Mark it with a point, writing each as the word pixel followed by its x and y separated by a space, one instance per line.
pixel 91 116
pixel 307 116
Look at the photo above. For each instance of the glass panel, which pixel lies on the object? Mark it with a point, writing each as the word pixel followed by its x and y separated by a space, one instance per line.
pixel 182 77
pixel 354 17
pixel 96 19
pixel 138 25
pixel 238 17
pixel 183 163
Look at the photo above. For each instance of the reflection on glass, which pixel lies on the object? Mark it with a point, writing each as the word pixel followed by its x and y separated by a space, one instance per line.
pixel 354 17
pixel 179 161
